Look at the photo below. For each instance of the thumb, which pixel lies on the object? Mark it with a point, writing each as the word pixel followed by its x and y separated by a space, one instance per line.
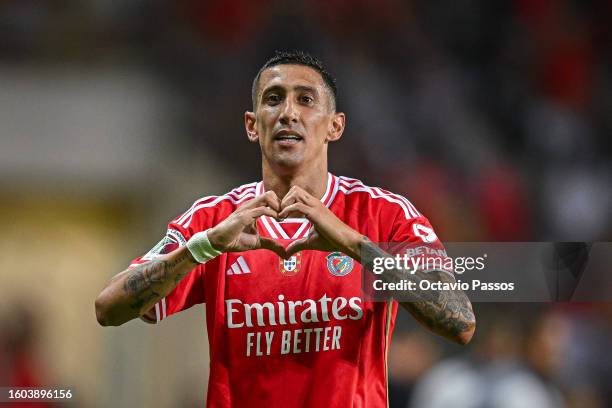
pixel 272 245
pixel 297 245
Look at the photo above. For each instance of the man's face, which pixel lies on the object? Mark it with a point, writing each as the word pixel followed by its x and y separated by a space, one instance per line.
pixel 295 118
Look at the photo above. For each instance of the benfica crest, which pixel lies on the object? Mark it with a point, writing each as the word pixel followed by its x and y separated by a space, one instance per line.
pixel 339 264
pixel 291 266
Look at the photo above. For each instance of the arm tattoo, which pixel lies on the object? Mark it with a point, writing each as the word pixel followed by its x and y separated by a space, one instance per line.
pixel 447 312
pixel 145 282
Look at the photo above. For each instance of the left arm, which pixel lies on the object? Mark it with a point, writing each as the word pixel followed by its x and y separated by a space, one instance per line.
pixel 445 312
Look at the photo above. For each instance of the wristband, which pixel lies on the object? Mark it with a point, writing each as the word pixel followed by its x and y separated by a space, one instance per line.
pixel 201 248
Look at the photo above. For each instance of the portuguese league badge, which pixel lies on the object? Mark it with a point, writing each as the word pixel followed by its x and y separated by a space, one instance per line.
pixel 291 266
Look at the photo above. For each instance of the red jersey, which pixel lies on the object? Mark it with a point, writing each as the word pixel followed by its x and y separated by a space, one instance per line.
pixel 297 332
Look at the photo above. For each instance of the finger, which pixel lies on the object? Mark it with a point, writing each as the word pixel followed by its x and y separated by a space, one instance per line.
pixel 247 205
pixel 272 200
pixel 295 207
pixel 255 213
pixel 302 195
pixel 297 246
pixel 297 190
pixel 251 228
pixel 289 198
pixel 269 198
pixel 272 245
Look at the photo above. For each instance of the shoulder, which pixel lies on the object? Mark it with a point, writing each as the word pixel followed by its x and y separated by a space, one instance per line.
pixel 216 205
pixel 357 193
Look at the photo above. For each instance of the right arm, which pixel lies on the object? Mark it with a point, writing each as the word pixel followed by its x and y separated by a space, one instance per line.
pixel 133 292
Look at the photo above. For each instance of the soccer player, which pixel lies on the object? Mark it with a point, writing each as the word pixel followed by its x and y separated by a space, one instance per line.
pixel 277 263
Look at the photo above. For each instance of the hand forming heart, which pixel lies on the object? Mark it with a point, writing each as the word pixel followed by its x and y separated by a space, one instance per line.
pixel 239 233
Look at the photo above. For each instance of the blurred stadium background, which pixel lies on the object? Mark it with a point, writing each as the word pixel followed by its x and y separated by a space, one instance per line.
pixel 494 118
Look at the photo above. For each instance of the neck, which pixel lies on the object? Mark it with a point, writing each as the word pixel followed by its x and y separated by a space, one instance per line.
pixel 313 180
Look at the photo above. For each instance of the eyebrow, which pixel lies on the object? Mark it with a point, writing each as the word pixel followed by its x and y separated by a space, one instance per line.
pixel 302 88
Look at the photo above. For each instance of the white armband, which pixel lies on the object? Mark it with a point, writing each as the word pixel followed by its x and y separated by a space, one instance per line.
pixel 201 248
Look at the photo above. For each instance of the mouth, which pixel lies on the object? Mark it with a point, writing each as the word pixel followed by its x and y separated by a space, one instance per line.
pixel 287 138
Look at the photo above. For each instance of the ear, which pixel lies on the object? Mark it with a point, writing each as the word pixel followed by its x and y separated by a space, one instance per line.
pixel 249 125
pixel 336 127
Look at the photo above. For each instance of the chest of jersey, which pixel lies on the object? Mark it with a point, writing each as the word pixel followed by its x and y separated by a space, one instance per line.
pixel 303 303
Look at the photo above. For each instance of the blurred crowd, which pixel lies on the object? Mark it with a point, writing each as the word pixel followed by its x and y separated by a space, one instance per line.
pixel 21 364
pixel 529 355
pixel 493 118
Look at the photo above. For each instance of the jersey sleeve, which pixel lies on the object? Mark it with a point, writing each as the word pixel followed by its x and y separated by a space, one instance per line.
pixel 412 234
pixel 189 291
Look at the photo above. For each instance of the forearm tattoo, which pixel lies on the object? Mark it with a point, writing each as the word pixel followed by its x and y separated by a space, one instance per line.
pixel 447 312
pixel 145 283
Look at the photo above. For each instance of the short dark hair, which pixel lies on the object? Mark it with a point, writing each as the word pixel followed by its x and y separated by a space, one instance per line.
pixel 296 57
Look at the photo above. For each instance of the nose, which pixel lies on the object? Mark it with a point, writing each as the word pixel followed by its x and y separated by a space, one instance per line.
pixel 289 113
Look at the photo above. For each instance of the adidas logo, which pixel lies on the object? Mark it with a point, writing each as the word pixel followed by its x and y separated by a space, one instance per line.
pixel 238 268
